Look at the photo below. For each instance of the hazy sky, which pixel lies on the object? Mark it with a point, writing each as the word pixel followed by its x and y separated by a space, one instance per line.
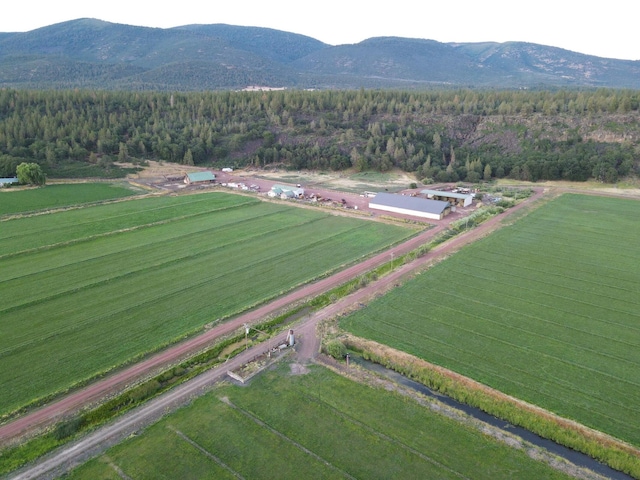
pixel 606 29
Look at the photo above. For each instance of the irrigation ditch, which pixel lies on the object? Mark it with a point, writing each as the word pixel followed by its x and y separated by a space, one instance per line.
pixel 554 449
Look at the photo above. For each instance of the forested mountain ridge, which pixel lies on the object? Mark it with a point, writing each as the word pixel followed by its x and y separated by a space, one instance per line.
pixel 89 53
pixel 440 136
pixel 96 54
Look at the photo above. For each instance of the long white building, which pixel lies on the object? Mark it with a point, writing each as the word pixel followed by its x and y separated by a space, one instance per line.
pixel 415 206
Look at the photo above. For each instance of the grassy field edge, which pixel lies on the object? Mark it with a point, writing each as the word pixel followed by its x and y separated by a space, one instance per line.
pixel 605 448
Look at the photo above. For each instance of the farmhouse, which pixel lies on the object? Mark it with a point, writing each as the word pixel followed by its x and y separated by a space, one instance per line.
pixel 199 178
pixel 418 207
pixel 284 192
pixel 5 182
pixel 458 199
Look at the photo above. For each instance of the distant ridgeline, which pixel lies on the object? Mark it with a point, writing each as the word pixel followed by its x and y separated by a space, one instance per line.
pixel 90 53
pixel 440 135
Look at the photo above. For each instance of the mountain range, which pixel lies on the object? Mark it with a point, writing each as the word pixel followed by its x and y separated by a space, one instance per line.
pixel 90 53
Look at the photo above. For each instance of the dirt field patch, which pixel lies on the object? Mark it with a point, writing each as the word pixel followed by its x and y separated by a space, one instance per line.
pixel 355 182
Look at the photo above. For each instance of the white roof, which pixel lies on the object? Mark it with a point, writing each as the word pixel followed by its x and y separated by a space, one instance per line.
pixel 441 193
pixel 409 203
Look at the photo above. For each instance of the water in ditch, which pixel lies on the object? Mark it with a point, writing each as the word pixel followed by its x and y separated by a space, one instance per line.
pixel 574 457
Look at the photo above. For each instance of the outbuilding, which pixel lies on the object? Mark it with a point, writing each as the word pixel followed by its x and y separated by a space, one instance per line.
pixel 5 182
pixel 199 178
pixel 454 198
pixel 406 205
pixel 285 191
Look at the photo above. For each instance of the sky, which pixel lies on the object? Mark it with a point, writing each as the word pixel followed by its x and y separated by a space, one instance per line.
pixel 605 29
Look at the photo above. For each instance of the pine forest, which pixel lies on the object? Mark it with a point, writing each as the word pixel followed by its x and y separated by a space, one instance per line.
pixel 439 135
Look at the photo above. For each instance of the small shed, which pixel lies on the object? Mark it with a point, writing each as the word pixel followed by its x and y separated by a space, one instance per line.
pixel 199 177
pixel 285 191
pixel 275 191
pixel 406 205
pixel 5 182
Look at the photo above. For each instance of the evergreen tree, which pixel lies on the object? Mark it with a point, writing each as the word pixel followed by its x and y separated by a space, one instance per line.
pixel 188 158
pixel 487 172
pixel 123 153
pixel 437 141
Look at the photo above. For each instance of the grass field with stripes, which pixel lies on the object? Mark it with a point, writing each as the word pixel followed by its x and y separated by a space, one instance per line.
pixel 546 309
pixel 89 289
pixel 17 201
pixel 313 426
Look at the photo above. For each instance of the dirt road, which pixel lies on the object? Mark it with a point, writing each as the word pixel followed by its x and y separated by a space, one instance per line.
pixel 95 443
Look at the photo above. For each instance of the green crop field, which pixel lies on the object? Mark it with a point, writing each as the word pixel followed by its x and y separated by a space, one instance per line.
pixel 86 290
pixel 14 201
pixel 546 310
pixel 318 425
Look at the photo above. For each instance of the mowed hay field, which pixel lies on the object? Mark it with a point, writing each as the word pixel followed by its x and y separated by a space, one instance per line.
pixel 86 290
pixel 546 310
pixel 313 426
pixel 13 201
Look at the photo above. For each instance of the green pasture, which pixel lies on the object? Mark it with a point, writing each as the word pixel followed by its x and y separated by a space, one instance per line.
pixel 317 425
pixel 82 225
pixel 86 290
pixel 546 310
pixel 13 201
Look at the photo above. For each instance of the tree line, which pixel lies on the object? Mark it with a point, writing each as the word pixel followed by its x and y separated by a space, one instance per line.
pixel 440 135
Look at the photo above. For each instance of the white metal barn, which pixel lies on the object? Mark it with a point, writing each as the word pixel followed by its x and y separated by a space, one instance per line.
pixel 418 207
